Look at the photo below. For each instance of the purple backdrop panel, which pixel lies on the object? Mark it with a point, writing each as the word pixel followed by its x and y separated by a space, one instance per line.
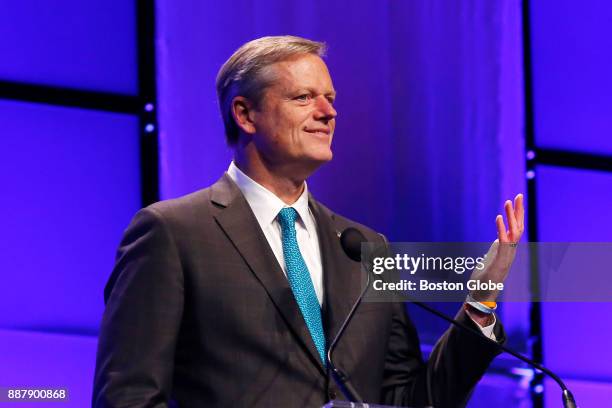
pixel 572 55
pixel 501 391
pixel 43 360
pixel 70 43
pixel 70 184
pixel 573 205
pixel 580 351
pixel 588 394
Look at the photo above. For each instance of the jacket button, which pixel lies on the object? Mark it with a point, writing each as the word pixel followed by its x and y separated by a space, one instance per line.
pixel 332 394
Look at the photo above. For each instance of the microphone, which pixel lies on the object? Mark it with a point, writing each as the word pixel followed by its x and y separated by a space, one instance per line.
pixel 351 240
pixel 567 396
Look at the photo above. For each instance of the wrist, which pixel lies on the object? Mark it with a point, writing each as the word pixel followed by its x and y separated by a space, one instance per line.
pixel 486 307
pixel 481 318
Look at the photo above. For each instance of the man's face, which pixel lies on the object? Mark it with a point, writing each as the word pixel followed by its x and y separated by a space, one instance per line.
pixel 295 119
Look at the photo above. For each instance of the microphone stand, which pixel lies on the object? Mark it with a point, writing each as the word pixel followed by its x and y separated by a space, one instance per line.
pixel 350 393
pixel 567 397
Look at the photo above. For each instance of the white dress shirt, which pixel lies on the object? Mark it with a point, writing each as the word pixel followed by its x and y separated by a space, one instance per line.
pixel 266 206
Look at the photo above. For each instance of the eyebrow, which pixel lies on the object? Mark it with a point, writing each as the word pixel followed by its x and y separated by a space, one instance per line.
pixel 331 93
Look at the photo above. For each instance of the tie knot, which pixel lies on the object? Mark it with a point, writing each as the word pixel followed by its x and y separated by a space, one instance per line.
pixel 287 217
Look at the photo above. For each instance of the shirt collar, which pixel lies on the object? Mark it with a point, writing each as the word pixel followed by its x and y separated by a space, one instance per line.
pixel 264 203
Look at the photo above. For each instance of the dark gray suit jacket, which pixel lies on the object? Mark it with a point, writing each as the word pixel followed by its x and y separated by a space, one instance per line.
pixel 199 312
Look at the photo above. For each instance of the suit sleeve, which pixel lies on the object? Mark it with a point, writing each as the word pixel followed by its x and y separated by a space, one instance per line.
pixel 456 364
pixel 144 306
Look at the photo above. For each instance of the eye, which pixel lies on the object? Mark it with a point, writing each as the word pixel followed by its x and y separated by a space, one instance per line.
pixel 303 98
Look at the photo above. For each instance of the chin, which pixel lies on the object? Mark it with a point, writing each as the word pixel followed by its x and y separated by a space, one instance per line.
pixel 323 156
pixel 314 156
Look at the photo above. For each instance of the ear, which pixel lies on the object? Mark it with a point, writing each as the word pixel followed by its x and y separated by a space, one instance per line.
pixel 242 111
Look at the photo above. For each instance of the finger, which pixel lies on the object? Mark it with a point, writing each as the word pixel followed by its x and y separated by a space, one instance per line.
pixel 501 229
pixel 519 211
pixel 507 247
pixel 512 223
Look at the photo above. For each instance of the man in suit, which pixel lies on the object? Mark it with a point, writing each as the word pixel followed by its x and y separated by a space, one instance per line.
pixel 230 296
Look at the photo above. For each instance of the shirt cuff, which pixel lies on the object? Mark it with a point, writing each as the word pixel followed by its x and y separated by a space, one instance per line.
pixel 486 330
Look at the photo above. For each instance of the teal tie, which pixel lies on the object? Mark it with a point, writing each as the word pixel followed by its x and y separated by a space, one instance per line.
pixel 300 281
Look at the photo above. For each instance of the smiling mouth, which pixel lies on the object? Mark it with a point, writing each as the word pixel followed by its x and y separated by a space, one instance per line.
pixel 320 132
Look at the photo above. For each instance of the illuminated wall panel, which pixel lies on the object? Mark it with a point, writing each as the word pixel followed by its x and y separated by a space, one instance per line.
pixel 88 45
pixel 572 86
pixel 574 205
pixel 587 393
pixel 43 360
pixel 70 184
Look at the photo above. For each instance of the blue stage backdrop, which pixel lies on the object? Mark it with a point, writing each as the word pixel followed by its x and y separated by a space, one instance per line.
pixel 88 45
pixel 572 96
pixel 70 184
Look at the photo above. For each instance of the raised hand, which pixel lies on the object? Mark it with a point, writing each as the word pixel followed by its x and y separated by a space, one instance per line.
pixel 501 254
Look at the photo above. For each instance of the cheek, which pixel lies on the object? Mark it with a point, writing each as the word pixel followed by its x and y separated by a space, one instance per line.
pixel 293 126
pixel 286 122
pixel 285 129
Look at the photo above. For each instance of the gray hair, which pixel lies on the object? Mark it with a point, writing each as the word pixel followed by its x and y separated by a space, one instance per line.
pixel 245 74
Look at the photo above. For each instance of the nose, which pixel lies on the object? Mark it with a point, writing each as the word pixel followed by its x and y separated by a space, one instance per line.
pixel 324 109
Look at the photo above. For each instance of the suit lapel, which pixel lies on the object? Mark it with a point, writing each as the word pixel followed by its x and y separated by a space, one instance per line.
pixel 238 222
pixel 340 274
